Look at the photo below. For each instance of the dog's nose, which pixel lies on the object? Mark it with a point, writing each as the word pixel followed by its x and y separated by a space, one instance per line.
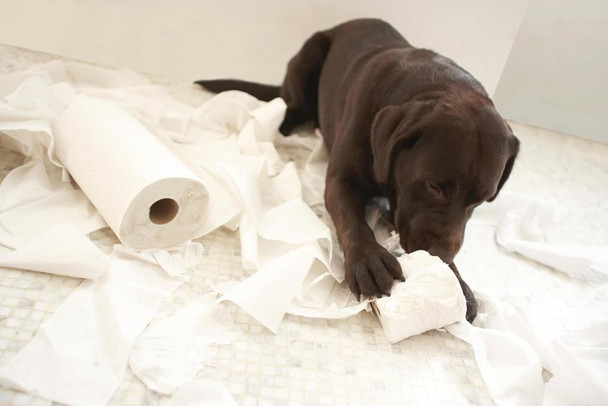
pixel 446 248
pixel 441 242
pixel 434 246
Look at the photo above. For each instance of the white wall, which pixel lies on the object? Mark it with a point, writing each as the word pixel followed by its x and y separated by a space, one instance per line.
pixel 557 74
pixel 193 39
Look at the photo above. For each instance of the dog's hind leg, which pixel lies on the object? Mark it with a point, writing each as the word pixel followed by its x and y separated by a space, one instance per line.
pixel 300 88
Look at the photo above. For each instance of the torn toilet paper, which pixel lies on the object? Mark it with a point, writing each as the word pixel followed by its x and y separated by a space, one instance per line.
pixel 578 361
pixel 289 272
pixel 510 368
pixel 515 344
pixel 79 355
pixel 171 352
pixel 430 298
pixel 523 223
pixel 33 198
pixel 60 250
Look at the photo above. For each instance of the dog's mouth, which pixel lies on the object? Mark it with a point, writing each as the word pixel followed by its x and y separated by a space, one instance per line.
pixel 404 241
pixel 410 245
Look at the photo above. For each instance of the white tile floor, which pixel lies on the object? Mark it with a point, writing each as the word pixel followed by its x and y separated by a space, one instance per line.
pixel 349 361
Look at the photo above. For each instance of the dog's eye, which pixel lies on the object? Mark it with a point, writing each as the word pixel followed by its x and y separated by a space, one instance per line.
pixel 436 189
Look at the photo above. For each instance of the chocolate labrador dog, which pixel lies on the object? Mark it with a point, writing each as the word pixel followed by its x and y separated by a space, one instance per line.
pixel 401 122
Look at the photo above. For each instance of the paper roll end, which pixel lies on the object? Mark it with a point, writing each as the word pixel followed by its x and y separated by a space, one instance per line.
pixel 163 211
pixel 163 214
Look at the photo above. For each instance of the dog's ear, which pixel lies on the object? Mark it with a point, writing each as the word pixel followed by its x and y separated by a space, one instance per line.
pixel 395 127
pixel 513 151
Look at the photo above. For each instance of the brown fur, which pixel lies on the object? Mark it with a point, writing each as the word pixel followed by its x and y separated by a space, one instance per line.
pixel 400 122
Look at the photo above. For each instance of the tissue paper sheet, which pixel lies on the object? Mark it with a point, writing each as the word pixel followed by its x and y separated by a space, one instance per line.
pixel 523 225
pixel 510 368
pixel 170 353
pixel 430 298
pixel 512 343
pixel 33 198
pixel 268 293
pixel 579 363
pixel 60 250
pixel 531 324
pixel 79 355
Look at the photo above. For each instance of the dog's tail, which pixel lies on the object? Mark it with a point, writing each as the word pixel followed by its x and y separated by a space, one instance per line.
pixel 260 91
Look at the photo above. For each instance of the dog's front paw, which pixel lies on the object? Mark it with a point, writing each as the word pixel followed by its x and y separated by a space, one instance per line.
pixel 371 270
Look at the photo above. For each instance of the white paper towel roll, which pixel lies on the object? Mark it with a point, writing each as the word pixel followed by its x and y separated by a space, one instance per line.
pixel 146 195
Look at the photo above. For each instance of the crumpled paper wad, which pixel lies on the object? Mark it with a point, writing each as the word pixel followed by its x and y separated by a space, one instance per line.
pixel 430 298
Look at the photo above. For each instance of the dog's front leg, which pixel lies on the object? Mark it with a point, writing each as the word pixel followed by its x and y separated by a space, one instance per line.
pixel 370 269
pixel 468 294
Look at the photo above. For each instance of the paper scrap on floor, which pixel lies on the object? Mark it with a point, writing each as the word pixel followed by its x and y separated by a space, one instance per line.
pixel 228 143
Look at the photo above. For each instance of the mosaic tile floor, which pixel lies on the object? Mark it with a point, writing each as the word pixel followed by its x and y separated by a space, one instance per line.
pixel 313 361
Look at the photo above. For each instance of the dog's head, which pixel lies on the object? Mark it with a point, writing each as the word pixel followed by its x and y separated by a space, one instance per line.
pixel 439 159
